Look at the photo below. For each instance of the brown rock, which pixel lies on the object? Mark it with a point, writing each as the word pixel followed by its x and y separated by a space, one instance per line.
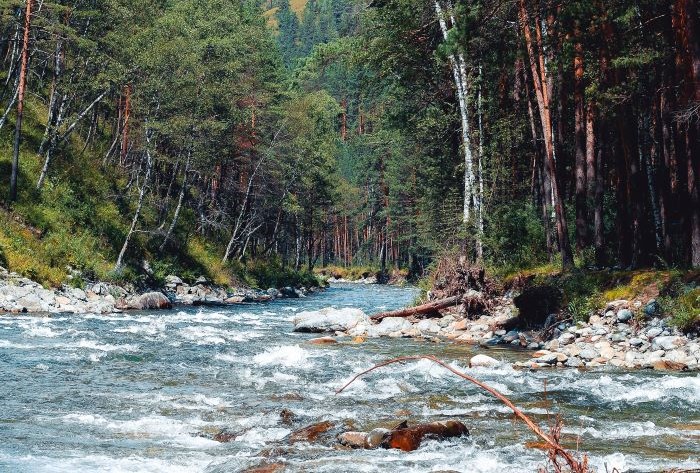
pixel 224 436
pixel 287 416
pixel 410 438
pixel 234 300
pixel 461 325
pixel 353 439
pixel 310 433
pixel 667 365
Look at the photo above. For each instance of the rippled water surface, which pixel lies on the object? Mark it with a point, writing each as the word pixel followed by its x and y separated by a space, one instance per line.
pixel 145 392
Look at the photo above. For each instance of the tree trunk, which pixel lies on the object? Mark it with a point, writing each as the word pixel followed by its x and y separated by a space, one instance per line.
pixel 580 146
pixel 479 199
pixel 64 136
pixel 139 205
pixel 459 75
pixel 429 308
pixel 541 91
pixel 180 199
pixel 20 101
pixel 598 225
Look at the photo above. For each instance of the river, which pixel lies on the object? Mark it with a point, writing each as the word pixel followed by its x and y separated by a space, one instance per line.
pixel 145 392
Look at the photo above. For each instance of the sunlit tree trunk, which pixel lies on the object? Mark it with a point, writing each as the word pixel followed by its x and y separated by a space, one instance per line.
pixel 459 75
pixel 20 101
pixel 541 85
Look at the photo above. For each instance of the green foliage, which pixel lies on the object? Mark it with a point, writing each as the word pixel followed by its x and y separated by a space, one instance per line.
pixel 684 309
pixel 580 308
pixel 271 273
pixel 515 237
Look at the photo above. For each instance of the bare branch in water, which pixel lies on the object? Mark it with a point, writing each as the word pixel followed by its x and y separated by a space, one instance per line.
pixel 556 451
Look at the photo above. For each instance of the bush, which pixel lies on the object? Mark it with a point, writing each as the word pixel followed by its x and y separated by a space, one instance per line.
pixel 515 237
pixel 684 310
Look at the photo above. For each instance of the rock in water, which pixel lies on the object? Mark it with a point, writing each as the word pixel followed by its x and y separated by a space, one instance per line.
pixel 376 438
pixel 483 361
pixel 310 433
pixel 329 320
pixel 410 438
pixel 353 439
pixel 152 301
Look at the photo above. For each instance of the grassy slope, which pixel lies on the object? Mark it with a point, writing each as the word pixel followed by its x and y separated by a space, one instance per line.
pixel 81 216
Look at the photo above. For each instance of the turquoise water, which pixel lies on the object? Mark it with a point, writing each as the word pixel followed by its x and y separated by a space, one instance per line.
pixel 145 392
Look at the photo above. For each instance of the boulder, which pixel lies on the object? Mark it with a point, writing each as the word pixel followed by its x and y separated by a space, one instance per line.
pixel 588 354
pixel 667 343
pixel 667 365
pixel 329 320
pixel 654 332
pixel 150 301
pixel 289 292
pixel 390 325
pixel 624 315
pixel 173 280
pixel 352 439
pixel 483 361
pixel 652 308
pixel 547 359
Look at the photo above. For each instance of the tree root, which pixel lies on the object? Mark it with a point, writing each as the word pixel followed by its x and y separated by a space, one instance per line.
pixel 556 452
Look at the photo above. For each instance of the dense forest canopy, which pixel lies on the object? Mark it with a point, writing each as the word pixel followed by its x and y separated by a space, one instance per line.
pixel 350 132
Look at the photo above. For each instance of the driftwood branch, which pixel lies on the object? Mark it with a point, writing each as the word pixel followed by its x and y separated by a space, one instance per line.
pixel 556 450
pixel 429 308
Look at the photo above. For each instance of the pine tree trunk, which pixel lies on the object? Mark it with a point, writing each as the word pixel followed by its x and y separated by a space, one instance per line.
pixel 580 146
pixel 541 91
pixel 20 101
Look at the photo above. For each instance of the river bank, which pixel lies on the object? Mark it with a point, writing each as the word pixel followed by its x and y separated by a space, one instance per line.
pixel 611 337
pixel 19 294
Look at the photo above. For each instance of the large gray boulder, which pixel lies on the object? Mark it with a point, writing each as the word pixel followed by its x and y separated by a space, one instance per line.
pixel 329 320
pixel 150 301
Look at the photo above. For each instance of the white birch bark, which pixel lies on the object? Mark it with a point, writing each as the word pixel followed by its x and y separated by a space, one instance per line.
pixel 137 213
pixel 181 197
pixel 479 195
pixel 459 74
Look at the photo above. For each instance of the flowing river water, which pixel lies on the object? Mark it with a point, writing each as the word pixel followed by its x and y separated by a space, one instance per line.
pixel 145 392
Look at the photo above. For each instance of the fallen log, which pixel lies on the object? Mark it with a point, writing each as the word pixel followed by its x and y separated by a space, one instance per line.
pixel 429 308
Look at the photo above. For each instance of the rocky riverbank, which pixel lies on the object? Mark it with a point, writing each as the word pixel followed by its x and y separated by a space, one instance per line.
pixel 22 295
pixel 614 337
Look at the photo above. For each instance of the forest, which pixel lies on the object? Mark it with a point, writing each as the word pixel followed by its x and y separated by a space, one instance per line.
pixel 222 134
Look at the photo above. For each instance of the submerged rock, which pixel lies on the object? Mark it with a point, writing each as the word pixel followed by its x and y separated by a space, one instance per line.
pixel 310 433
pixel 403 437
pixel 329 320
